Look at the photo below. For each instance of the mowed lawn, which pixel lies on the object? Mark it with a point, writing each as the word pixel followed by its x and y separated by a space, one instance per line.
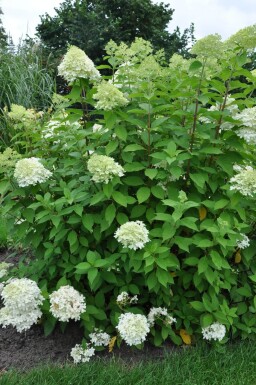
pixel 235 365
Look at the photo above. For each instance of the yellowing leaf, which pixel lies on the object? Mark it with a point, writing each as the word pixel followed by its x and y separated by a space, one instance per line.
pixel 173 274
pixel 112 344
pixel 238 257
pixel 202 213
pixel 186 338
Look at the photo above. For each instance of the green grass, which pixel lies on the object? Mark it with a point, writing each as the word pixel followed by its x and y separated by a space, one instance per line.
pixel 236 365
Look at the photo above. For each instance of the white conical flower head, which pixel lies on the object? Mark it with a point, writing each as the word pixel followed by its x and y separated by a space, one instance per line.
pixel 76 64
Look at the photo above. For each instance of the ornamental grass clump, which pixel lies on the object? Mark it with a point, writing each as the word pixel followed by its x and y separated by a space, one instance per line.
pixel 22 299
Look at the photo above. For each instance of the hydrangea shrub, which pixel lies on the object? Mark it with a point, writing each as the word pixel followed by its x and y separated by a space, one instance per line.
pixel 144 203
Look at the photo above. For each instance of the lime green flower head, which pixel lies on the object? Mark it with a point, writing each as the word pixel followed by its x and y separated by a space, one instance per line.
pixel 210 46
pixel 76 64
pixel 245 38
pixel 109 97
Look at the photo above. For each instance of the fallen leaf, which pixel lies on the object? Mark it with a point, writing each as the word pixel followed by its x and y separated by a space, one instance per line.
pixel 112 344
pixel 186 338
pixel 202 213
pixel 238 257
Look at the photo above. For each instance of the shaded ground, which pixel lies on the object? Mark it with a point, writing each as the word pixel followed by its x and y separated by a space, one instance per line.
pixel 26 350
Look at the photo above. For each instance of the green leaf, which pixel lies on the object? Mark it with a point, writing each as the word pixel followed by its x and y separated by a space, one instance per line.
pixel 133 147
pixel 119 198
pixel 92 275
pixel 151 173
pixel 88 222
pixel 183 243
pixel 191 261
pixel 133 181
pixel 110 119
pixel 168 231
pixel 220 204
pixel 4 186
pixel 138 211
pixel 99 197
pixel 28 214
pixel 203 243
pixel 49 325
pixel 253 277
pixel 245 291
pixel 206 320
pixel 197 305
pixel 121 132
pixel 111 147
pixel 202 265
pixel 210 150
pixel 151 281
pixel 72 238
pixel 107 189
pixel 199 179
pixel 158 192
pixel 143 194
pixel 83 267
pixel 110 213
pixel 157 122
pixel 164 217
pixel 135 166
pixel 195 65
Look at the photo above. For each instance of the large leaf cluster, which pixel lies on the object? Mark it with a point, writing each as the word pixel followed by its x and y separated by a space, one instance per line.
pixel 192 264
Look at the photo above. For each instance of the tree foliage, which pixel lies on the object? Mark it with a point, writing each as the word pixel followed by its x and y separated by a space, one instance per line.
pixel 3 35
pixel 91 24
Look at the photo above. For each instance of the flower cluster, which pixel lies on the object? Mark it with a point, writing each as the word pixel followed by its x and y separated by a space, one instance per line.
pixel 109 97
pixel 8 159
pixel 124 299
pixel 80 354
pixel 98 128
pixel 248 120
pixel 103 168
pixel 209 46
pixel 99 338
pixel 21 298
pixel 133 328
pixel 76 64
pixel 133 235
pixel 4 266
pixel 21 114
pixel 229 106
pixel 244 242
pixel 215 331
pixel 245 37
pixel 67 303
pixel 158 312
pixel 244 181
pixel 29 171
